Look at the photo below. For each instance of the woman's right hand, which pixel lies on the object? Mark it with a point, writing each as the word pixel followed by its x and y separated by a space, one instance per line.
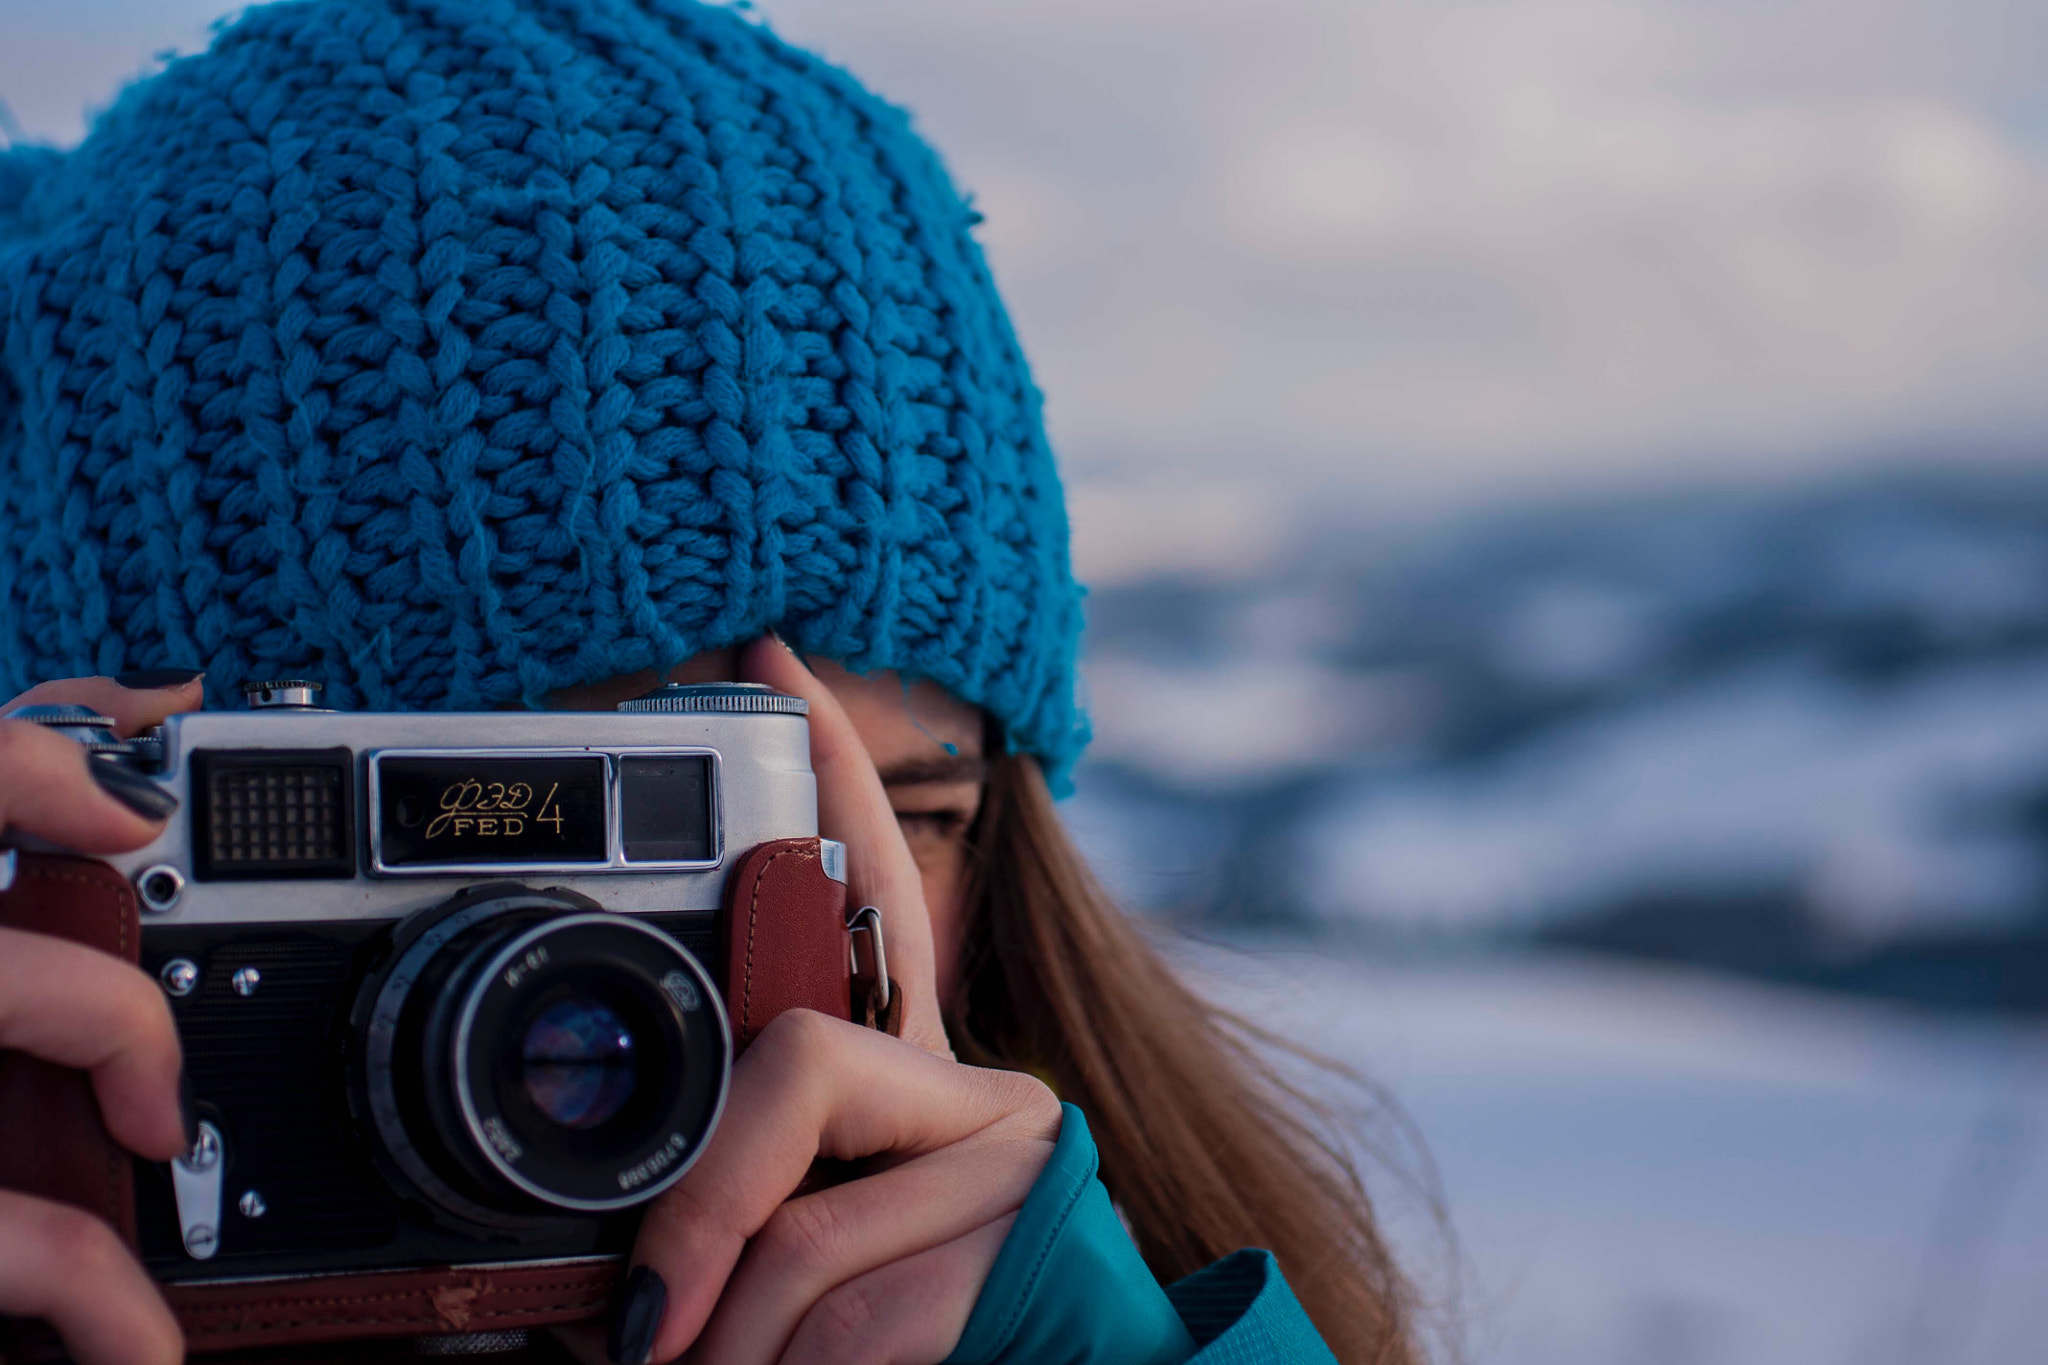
pixel 79 1007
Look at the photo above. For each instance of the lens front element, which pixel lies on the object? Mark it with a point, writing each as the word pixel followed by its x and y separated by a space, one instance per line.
pixel 579 1060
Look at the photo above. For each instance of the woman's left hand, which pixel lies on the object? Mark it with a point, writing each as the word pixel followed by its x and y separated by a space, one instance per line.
pixel 886 1267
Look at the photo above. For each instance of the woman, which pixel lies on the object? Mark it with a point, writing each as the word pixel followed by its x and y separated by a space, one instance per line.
pixel 521 352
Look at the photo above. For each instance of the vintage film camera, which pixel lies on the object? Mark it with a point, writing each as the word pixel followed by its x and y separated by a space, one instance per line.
pixel 457 993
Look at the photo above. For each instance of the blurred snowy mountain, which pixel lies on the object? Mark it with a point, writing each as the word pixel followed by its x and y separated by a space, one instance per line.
pixel 1798 734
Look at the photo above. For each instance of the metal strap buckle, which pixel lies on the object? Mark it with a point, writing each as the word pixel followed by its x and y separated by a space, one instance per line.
pixel 868 920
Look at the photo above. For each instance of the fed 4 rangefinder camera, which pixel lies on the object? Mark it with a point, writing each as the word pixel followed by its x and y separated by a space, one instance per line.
pixel 457 993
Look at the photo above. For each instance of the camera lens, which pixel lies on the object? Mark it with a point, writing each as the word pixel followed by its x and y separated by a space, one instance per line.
pixel 526 1053
pixel 579 1061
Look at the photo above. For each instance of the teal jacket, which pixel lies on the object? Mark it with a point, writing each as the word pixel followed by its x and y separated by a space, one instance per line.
pixel 1069 1288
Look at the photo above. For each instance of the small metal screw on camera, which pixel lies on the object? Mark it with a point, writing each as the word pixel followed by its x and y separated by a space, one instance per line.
pixel 159 886
pixel 246 980
pixel 251 1204
pixel 179 976
pixel 205 1153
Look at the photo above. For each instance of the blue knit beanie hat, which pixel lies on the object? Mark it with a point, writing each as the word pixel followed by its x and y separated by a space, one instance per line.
pixel 455 351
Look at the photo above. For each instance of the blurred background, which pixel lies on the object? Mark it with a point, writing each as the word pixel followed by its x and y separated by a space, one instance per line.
pixel 1565 491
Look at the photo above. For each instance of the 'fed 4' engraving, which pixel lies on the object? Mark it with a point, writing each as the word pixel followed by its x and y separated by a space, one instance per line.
pixel 493 809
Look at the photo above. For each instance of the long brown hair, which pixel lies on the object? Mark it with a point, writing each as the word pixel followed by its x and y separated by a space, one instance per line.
pixel 1205 1146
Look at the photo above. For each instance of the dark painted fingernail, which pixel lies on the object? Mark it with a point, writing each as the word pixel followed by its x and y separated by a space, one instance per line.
pixel 131 788
pixel 791 650
pixel 158 677
pixel 188 1109
pixel 636 1317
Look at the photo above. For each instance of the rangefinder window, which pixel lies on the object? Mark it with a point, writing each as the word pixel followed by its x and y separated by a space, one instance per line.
pixel 483 811
pixel 273 813
pixel 665 808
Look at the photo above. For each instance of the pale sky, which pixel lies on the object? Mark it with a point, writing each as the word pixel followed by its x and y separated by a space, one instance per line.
pixel 1422 252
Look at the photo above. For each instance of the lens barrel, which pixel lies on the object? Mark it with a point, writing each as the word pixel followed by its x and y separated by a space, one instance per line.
pixel 528 1053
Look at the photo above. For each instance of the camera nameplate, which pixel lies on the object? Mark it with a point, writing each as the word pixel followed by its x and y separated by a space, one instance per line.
pixel 615 859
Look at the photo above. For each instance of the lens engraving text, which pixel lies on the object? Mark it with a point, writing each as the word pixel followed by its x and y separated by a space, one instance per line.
pixel 517 972
pixel 637 1175
pixel 502 1139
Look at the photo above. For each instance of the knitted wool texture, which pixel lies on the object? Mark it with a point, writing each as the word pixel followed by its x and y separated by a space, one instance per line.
pixel 454 351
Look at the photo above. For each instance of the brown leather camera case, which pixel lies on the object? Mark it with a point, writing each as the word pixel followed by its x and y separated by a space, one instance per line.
pixel 786 948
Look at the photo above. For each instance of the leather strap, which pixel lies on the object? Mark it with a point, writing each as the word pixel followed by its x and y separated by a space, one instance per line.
pixel 52 1142
pixel 388 1303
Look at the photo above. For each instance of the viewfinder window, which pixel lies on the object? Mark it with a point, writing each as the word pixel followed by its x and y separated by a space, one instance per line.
pixel 665 808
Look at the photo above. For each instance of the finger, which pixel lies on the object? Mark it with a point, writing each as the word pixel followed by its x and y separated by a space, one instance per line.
pixel 813 1087
pixel 130 706
pixel 82 1008
pixel 50 787
pixel 62 1264
pixel 811 1245
pixel 854 809
pixel 909 1312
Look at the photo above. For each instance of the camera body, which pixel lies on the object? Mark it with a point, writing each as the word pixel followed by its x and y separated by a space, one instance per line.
pixel 452 987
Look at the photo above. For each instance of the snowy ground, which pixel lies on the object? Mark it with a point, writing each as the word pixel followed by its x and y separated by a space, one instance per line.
pixel 1646 1167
